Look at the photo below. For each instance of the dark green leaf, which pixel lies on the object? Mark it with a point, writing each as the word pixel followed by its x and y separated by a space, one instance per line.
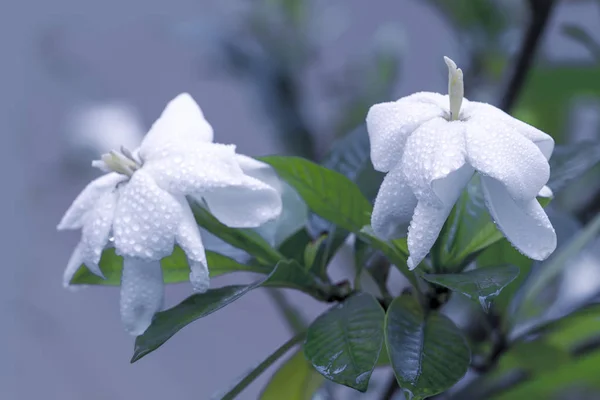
pixel 260 368
pixel 175 268
pixel 328 193
pixel 296 379
pixel 311 250
pixel 245 239
pixel 344 343
pixel 293 247
pixel 427 351
pixel 480 285
pixel 166 323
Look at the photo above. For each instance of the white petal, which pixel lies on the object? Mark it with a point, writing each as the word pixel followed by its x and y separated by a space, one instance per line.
pixel 525 225
pixel 428 220
pixel 259 170
pixel 390 124
pixel 499 151
pixel 394 206
pixel 485 111
pixel 180 125
pixel 146 219
pixel 546 192
pixel 97 228
pixel 74 217
pixel 201 167
pixel 432 153
pixel 142 294
pixel 75 261
pixel 188 237
pixel 246 204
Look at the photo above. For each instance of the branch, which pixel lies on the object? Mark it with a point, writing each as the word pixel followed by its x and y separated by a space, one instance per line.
pixel 540 11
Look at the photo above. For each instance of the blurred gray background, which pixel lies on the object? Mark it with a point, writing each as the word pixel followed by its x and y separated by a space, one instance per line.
pixel 56 55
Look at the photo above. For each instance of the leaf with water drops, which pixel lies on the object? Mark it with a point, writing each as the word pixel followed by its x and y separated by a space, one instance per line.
pixel 427 351
pixel 480 285
pixel 344 343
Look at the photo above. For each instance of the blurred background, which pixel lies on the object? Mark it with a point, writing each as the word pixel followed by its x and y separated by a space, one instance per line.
pixel 272 76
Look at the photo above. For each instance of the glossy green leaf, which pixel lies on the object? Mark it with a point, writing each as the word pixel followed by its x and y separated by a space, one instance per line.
pixel 175 268
pixel 344 343
pixel 245 239
pixel 167 323
pixel 248 378
pixel 327 193
pixel 480 285
pixel 428 352
pixel 296 379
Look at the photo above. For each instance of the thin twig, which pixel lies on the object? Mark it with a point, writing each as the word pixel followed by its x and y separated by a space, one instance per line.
pixel 540 11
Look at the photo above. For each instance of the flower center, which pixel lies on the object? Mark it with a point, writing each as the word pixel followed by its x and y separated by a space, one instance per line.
pixel 456 90
pixel 122 162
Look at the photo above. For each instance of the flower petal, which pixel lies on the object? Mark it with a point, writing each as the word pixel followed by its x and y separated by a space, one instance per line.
pixel 188 237
pixel 259 170
pixel 247 203
pixel 142 293
pixel 432 153
pixel 201 167
pixel 390 124
pixel 484 111
pixel 394 206
pixel 97 228
pixel 85 201
pixel 525 225
pixel 429 219
pixel 146 219
pixel 499 151
pixel 180 125
pixel 75 261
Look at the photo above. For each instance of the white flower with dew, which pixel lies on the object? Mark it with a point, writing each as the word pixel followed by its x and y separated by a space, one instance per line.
pixel 431 144
pixel 140 206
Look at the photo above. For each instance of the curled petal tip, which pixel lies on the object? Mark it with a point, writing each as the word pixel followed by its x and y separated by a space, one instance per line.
pixel 451 64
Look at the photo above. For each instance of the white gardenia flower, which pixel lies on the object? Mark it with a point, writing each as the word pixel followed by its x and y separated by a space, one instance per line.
pixel 140 206
pixel 430 145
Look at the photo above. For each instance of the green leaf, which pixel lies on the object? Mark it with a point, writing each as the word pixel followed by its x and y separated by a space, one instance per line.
pixel 553 267
pixel 344 343
pixel 395 250
pixel 175 268
pixel 582 37
pixel 167 323
pixel 427 351
pixel 328 193
pixel 293 247
pixel 569 162
pixel 296 379
pixel 311 250
pixel 480 285
pixel 247 379
pixel 245 239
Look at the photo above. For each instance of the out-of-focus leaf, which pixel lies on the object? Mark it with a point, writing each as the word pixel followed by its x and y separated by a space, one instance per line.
pixel 245 239
pixel 167 323
pixel 260 368
pixel 570 162
pixel 326 192
pixel 344 343
pixel 293 247
pixel 311 250
pixel 296 379
pixel 175 268
pixel 427 351
pixel 553 267
pixel 582 37
pixel 480 285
